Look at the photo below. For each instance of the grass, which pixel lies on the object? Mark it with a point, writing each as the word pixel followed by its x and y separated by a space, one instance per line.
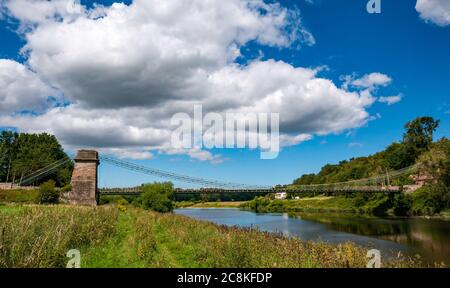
pixel 110 236
pixel 19 196
pixel 38 236
pixel 119 236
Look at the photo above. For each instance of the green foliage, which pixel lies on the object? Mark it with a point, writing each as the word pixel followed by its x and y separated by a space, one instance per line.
pixel 419 132
pixel 377 204
pixel 113 199
pixel 402 205
pixel 48 193
pixel 22 154
pixel 431 199
pixel 156 197
pixel 66 188
pixel 417 139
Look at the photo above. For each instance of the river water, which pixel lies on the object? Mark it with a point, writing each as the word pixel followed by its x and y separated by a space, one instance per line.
pixel 429 238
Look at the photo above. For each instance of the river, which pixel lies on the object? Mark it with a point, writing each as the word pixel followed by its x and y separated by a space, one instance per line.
pixel 429 238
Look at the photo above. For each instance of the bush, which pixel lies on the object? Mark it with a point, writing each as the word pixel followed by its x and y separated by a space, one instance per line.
pixel 402 204
pixel 430 200
pixel 66 188
pixel 156 197
pixel 47 193
pixel 113 199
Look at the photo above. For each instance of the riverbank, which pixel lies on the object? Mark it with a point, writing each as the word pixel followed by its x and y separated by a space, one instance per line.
pixel 129 237
pixel 378 205
pixel 222 204
pixel 317 204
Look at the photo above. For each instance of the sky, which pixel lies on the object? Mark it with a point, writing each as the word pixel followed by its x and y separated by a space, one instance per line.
pixel 109 76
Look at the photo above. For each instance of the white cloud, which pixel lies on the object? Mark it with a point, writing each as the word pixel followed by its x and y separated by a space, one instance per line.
pixel 372 80
pixel 195 153
pixel 390 100
pixel 128 69
pixel 435 11
pixel 21 89
pixel 135 154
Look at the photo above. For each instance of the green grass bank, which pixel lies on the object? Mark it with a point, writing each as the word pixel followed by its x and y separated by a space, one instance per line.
pixel 122 236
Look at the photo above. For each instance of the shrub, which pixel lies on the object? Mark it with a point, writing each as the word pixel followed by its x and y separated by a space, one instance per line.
pixel 402 204
pixel 66 188
pixel 47 193
pixel 113 199
pixel 156 197
pixel 430 200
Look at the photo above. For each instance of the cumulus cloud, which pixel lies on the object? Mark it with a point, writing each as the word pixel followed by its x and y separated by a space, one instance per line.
pixel 127 69
pixel 21 89
pixel 435 11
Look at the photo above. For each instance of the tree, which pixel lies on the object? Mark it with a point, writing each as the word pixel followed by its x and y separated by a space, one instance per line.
pixel 156 197
pixel 22 154
pixel 419 132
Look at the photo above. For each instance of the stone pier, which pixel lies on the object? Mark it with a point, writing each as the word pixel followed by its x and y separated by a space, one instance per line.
pixel 84 179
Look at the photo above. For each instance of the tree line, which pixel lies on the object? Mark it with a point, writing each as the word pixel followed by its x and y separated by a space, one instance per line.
pixel 22 154
pixel 417 140
pixel 416 147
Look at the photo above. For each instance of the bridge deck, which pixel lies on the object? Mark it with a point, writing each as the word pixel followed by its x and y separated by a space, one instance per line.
pixel 137 191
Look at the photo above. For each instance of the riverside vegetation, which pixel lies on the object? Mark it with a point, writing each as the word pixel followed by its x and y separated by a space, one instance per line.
pixel 417 147
pixel 125 236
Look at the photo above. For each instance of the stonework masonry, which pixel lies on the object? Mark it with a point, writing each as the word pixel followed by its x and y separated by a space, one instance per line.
pixel 84 180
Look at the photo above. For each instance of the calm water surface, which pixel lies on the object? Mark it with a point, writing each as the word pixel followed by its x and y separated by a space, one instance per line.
pixel 428 237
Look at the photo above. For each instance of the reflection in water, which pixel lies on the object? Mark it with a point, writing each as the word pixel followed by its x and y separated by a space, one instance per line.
pixel 427 237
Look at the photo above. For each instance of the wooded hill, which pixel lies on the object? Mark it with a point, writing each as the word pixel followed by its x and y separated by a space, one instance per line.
pixel 416 146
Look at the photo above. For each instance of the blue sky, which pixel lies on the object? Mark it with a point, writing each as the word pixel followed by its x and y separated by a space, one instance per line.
pixel 413 52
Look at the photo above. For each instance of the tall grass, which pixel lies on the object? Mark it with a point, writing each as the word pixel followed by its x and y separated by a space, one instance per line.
pixel 19 196
pixel 184 242
pixel 40 236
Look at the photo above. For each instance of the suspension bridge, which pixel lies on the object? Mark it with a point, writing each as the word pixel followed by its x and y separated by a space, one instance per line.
pixel 85 181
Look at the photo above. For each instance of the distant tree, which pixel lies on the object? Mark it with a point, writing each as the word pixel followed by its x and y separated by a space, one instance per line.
pixel 419 132
pixel 8 150
pixel 22 154
pixel 156 197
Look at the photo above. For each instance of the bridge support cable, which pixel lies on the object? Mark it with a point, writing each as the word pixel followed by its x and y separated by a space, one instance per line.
pixel 177 177
pixel 379 180
pixel 36 175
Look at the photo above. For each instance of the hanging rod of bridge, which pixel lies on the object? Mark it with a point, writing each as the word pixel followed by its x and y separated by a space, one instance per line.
pixel 177 177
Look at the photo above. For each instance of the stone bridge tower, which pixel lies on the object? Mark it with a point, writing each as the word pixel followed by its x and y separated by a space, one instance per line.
pixel 84 179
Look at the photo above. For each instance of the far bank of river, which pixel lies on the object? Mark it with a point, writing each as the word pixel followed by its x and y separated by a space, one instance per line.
pixel 429 238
